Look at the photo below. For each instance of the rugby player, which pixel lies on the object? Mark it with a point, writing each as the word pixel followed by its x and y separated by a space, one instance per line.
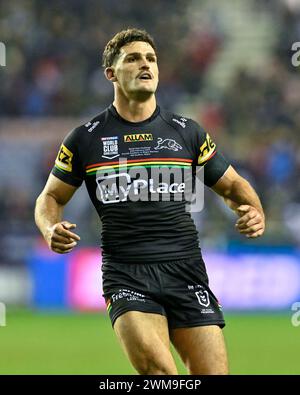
pixel 154 279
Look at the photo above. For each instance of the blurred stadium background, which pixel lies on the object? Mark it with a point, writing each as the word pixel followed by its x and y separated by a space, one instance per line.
pixel 227 65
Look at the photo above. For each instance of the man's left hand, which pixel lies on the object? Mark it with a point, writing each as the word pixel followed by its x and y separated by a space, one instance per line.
pixel 251 221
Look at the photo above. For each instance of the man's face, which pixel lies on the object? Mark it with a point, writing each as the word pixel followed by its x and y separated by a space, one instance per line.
pixel 136 70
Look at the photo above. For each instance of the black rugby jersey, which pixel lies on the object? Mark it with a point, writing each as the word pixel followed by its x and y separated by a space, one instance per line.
pixel 143 214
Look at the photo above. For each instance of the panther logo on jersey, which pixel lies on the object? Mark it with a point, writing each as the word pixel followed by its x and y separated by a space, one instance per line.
pixel 167 144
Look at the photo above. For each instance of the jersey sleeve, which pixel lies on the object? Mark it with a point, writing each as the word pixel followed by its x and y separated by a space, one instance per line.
pixel 68 165
pixel 207 155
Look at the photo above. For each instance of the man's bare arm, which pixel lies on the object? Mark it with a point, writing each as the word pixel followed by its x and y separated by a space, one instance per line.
pixel 241 197
pixel 48 215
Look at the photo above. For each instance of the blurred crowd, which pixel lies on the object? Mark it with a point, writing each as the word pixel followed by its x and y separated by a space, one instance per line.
pixel 246 95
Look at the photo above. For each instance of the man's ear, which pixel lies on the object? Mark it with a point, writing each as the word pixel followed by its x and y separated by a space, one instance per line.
pixel 110 74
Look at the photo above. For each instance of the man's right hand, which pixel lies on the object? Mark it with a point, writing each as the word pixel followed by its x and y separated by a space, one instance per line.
pixel 60 239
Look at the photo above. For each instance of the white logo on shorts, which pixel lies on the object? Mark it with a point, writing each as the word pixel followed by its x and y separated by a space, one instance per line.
pixel 203 298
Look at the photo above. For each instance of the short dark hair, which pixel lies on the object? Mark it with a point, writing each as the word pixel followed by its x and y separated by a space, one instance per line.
pixel 113 47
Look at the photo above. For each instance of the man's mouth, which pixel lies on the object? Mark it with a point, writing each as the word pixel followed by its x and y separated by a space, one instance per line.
pixel 145 76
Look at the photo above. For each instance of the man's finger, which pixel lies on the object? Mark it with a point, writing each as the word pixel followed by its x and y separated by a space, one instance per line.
pixel 256 234
pixel 58 251
pixel 68 225
pixel 250 222
pixel 61 239
pixel 62 246
pixel 66 233
pixel 251 229
pixel 244 208
pixel 245 218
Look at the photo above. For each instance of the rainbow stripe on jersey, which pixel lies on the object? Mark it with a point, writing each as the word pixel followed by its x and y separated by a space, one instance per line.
pixel 147 163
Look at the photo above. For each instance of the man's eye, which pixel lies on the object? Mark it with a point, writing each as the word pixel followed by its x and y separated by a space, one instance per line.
pixel 130 59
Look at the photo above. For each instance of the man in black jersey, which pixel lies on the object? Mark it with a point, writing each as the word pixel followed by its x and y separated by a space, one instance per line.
pixel 154 279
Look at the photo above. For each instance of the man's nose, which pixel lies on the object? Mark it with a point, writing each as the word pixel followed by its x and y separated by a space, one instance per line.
pixel 144 64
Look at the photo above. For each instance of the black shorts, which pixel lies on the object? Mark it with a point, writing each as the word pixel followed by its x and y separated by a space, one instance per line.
pixel 178 290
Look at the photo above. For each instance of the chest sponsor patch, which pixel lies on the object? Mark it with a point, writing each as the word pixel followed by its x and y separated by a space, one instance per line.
pixel 121 187
pixel 110 149
pixel 133 138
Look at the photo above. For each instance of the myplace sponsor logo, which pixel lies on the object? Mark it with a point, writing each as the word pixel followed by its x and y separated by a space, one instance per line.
pixel 121 187
pixel 2 54
pixel 113 188
pixel 157 184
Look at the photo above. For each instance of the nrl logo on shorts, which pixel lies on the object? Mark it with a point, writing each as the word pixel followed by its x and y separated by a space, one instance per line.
pixel 203 298
pixel 167 144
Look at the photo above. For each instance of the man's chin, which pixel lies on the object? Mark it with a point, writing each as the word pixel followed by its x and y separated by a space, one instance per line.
pixel 142 94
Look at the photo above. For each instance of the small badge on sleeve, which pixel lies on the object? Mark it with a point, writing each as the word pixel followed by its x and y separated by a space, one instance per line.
pixel 207 150
pixel 64 159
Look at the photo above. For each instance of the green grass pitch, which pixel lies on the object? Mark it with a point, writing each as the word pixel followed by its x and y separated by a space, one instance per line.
pixel 84 343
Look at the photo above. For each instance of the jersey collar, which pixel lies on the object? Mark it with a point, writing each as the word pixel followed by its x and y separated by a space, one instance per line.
pixel 114 112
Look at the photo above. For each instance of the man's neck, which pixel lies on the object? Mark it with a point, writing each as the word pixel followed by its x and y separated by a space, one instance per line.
pixel 135 111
